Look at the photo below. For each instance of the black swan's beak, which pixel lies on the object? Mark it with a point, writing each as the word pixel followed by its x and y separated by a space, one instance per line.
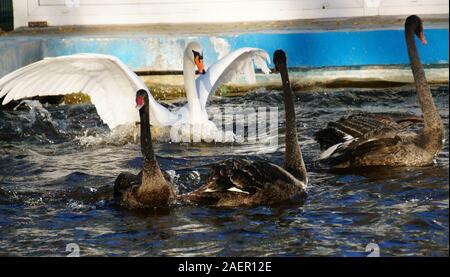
pixel 423 39
pixel 139 102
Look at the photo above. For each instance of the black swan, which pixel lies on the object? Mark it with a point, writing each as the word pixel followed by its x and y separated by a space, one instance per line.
pixel 240 182
pixel 364 140
pixel 150 188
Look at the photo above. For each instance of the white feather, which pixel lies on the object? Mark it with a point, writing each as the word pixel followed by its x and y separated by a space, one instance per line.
pixel 327 153
pixel 348 137
pixel 235 189
pixel 332 150
pixel 225 70
pixel 110 84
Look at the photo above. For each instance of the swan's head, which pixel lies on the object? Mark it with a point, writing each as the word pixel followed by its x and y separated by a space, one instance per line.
pixel 194 52
pixel 141 99
pixel 415 22
pixel 280 60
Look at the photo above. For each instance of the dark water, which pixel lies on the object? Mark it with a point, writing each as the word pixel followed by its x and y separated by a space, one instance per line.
pixel 57 172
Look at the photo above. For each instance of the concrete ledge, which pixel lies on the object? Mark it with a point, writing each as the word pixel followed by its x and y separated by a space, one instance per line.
pixel 218 29
pixel 166 87
pixel 171 87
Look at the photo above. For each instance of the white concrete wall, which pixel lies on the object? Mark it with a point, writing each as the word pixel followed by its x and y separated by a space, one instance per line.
pixel 84 12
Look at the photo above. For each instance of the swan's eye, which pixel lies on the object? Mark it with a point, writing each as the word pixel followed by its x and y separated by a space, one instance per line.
pixel 139 102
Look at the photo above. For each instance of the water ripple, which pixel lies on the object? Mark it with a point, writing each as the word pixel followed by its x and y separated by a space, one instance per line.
pixel 58 165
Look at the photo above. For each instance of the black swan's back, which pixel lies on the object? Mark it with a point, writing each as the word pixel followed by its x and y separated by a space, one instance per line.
pixel 241 182
pixel 364 126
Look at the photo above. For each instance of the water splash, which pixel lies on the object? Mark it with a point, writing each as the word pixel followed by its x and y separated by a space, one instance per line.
pixel 36 109
pixel 121 135
pixel 40 122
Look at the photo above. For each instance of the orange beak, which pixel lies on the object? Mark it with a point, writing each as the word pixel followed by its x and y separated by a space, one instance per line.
pixel 199 64
pixel 423 39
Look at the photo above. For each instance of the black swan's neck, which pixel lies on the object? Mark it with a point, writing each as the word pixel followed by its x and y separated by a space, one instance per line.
pixel 293 160
pixel 432 120
pixel 150 163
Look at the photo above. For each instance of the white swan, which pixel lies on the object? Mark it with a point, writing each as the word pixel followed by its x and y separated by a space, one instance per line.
pixel 112 86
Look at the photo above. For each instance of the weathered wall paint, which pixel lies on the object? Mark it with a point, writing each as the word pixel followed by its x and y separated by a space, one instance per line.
pixel 17 53
pixel 161 53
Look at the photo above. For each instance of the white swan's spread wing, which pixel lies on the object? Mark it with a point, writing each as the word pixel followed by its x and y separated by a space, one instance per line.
pixel 110 84
pixel 241 62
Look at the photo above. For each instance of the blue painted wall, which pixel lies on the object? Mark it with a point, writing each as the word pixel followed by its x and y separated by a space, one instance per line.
pixel 140 51
pixel 349 48
pixel 16 53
